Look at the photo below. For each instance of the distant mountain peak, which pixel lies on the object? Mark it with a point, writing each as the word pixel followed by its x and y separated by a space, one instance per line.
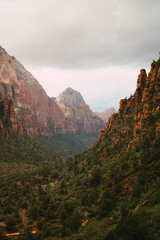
pixel 74 107
pixel 70 98
pixel 70 90
pixel 106 114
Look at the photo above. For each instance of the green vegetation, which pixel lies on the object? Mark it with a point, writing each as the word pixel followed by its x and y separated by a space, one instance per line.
pixel 57 199
pixel 68 145
pixel 17 149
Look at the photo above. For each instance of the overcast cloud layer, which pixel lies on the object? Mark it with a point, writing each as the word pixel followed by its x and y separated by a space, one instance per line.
pixel 85 38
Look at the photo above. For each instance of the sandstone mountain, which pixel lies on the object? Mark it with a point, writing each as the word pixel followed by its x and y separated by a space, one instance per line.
pixel 37 113
pixel 78 112
pixel 106 114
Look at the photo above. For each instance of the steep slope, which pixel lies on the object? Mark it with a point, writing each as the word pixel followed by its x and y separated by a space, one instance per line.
pixel 106 114
pixel 8 121
pixel 78 113
pixel 140 111
pixel 38 113
pixel 15 145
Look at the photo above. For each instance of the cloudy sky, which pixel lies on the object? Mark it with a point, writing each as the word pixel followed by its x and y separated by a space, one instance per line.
pixel 94 46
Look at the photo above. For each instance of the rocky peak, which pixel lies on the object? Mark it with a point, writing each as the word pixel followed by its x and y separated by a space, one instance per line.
pixel 141 78
pixel 69 90
pixel 70 98
pixel 141 110
pixel 78 113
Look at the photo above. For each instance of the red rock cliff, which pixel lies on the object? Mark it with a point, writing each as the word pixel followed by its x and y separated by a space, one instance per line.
pixel 38 113
pixel 8 121
pixel 141 110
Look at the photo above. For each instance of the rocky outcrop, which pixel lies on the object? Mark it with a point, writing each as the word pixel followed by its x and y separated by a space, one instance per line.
pixel 78 113
pixel 8 121
pixel 106 114
pixel 140 111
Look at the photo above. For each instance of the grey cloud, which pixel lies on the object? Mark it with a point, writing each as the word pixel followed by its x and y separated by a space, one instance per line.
pixel 81 34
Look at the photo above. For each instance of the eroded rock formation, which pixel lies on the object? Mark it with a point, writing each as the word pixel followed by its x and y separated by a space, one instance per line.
pixel 140 110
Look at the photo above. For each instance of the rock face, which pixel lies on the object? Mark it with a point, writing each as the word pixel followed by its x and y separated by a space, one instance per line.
pixel 8 121
pixel 106 114
pixel 140 111
pixel 37 113
pixel 78 114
